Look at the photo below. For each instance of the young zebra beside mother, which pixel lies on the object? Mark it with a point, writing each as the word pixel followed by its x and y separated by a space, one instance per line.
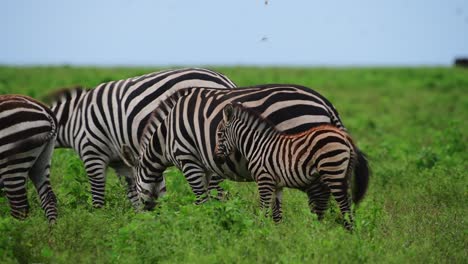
pixel 27 136
pixel 96 123
pixel 182 131
pixel 319 161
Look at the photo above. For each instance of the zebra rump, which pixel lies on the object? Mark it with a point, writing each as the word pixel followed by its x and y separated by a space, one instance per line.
pixel 27 135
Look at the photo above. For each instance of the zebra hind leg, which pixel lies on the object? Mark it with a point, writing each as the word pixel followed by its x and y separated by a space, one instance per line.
pixel 15 189
pixel 39 175
pixel 319 195
pixel 339 190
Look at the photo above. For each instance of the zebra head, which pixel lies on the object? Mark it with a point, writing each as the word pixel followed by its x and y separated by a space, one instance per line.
pixel 224 143
pixel 148 188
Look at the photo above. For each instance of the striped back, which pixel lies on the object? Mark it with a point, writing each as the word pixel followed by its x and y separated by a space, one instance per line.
pixel 118 110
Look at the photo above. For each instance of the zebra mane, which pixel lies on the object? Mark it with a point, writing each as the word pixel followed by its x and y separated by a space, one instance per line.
pixel 63 93
pixel 245 113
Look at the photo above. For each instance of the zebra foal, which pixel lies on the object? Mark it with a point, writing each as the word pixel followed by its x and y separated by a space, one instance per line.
pixel 27 136
pixel 318 161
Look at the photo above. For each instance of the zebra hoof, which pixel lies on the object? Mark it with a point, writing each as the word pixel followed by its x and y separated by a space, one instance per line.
pixel 348 226
pixel 201 201
pixel 98 205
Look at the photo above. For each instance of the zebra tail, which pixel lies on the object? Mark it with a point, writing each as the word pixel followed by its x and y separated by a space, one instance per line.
pixel 37 141
pixel 362 172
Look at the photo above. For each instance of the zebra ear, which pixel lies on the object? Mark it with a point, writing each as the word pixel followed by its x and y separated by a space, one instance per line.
pixel 128 157
pixel 227 113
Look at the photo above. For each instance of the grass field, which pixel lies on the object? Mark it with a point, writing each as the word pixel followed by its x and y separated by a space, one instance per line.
pixel 412 122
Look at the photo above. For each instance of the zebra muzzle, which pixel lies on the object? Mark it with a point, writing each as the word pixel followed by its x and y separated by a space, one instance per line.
pixel 148 201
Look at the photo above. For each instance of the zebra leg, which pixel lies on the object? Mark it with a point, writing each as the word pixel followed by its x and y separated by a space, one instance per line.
pixel 319 195
pixel 215 180
pixel 277 210
pixel 15 189
pixel 266 189
pixel 339 189
pixel 127 172
pixel 39 175
pixel 95 167
pixel 196 177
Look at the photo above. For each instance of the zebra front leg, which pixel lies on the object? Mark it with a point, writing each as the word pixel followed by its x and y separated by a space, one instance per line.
pixel 95 167
pixel 15 189
pixel 266 189
pixel 127 172
pixel 39 175
pixel 319 195
pixel 196 177
pixel 277 209
pixel 215 180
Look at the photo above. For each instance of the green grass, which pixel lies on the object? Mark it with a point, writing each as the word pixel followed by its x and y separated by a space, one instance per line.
pixel 412 122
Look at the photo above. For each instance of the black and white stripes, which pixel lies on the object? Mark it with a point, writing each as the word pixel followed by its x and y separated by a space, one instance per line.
pixel 98 122
pixel 318 161
pixel 27 134
pixel 182 131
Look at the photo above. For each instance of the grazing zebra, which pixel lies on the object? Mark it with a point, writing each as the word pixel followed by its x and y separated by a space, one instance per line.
pixel 182 132
pixel 27 135
pixel 318 161
pixel 97 122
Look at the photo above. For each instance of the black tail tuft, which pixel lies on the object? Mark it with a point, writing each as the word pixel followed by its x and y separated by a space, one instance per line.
pixel 361 176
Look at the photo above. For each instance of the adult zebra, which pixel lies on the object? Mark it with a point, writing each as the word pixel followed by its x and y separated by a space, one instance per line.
pixel 318 161
pixel 27 135
pixel 182 129
pixel 96 123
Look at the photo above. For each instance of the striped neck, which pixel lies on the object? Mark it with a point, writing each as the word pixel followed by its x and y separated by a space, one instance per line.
pixel 251 133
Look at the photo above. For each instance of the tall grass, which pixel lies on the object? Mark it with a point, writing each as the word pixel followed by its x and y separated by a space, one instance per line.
pixel 410 121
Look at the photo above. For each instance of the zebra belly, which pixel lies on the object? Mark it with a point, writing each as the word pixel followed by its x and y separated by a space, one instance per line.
pixel 291 179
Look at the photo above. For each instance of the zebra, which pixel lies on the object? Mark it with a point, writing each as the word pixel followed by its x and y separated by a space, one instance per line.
pixel 28 130
pixel 97 122
pixel 318 161
pixel 182 132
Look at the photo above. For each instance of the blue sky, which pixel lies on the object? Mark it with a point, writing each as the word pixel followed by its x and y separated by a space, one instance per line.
pixel 236 32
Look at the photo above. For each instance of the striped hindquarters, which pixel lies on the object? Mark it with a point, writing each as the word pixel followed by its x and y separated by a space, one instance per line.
pixel 25 124
pixel 27 134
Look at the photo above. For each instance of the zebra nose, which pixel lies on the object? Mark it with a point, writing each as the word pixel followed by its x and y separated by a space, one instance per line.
pixel 149 205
